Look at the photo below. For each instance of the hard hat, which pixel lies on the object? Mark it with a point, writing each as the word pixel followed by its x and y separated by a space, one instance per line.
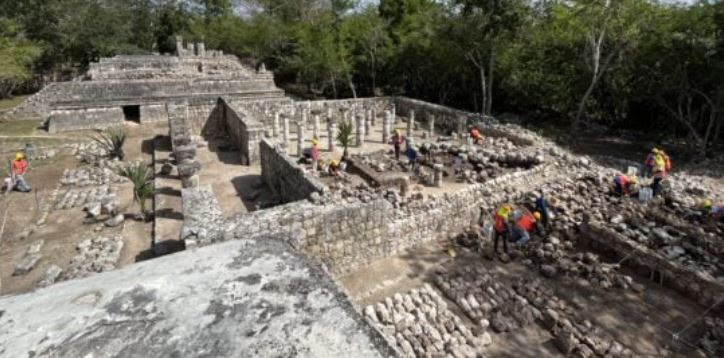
pixel 19 156
pixel 333 163
pixel 706 204
pixel 634 179
pixel 536 215
pixel 654 150
pixel 314 141
pixel 397 131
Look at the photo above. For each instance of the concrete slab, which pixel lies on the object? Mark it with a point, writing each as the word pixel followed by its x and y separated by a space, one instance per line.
pixel 242 298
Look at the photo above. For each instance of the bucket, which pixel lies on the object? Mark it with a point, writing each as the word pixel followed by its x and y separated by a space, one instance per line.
pixel 632 171
pixel 646 194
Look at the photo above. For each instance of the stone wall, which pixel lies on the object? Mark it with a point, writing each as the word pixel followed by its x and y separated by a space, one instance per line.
pixel 91 118
pixel 179 131
pixel 446 119
pixel 245 131
pixel 284 176
pixel 203 218
pixel 348 235
pixel 153 113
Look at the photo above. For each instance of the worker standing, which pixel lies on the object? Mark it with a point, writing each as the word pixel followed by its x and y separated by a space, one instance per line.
pixel 501 227
pixel 624 185
pixel 525 225
pixel 541 206
pixel 662 165
pixel 649 162
pixel 18 169
pixel 412 155
pixel 397 140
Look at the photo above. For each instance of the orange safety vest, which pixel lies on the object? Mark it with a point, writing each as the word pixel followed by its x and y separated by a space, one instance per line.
pixel 19 167
pixel 527 222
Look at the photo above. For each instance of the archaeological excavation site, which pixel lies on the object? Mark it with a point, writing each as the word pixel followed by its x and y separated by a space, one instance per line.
pixel 236 221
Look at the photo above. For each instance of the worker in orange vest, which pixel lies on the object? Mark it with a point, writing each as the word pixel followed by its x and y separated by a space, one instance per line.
pixel 624 185
pixel 475 135
pixel 526 224
pixel 18 169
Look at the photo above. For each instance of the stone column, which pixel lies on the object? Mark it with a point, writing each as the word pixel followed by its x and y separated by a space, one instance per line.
pixel 430 125
pixel 461 125
pixel 373 118
pixel 360 130
pixel 315 128
pixel 275 127
pixel 411 125
pixel 394 114
pixel 368 126
pixel 386 122
pixel 332 135
pixel 300 138
pixel 438 175
pixel 285 131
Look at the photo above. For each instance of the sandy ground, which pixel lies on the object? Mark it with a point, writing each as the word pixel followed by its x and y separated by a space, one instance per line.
pixel 64 229
pixel 644 322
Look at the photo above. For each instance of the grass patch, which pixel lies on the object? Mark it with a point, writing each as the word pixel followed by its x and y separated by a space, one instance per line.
pixel 9 103
pixel 19 128
pixel 9 146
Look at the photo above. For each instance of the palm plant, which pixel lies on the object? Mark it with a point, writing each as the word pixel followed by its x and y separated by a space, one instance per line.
pixel 141 176
pixel 111 140
pixel 344 136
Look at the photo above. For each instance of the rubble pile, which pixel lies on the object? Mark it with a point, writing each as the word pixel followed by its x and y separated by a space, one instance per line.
pixel 555 260
pixel 712 341
pixel 485 299
pixel 420 324
pixel 30 259
pixel 77 197
pixel 90 175
pixel 98 254
pixel 90 152
pixel 674 244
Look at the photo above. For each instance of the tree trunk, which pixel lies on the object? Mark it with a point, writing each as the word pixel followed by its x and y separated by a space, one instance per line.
pixel 483 91
pixel 597 73
pixel 334 86
pixel 491 67
pixel 351 86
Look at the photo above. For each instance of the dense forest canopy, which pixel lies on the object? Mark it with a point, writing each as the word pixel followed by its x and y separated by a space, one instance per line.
pixel 633 64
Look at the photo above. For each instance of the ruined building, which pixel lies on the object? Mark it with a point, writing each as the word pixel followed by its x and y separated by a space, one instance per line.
pixel 327 265
pixel 139 88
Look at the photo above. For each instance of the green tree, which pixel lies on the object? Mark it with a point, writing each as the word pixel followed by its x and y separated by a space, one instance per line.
pixel 17 55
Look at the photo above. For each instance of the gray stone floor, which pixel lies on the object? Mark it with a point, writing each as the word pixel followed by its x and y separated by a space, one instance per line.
pixel 242 298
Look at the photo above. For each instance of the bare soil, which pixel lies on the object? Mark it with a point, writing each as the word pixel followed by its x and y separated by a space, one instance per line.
pixel 64 229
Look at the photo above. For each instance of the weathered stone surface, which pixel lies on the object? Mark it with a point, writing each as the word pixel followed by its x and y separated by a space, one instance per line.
pixel 115 220
pixel 51 275
pixel 230 299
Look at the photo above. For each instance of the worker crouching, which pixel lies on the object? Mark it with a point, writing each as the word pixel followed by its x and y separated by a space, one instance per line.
pixel 624 185
pixel 524 226
pixel 18 169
